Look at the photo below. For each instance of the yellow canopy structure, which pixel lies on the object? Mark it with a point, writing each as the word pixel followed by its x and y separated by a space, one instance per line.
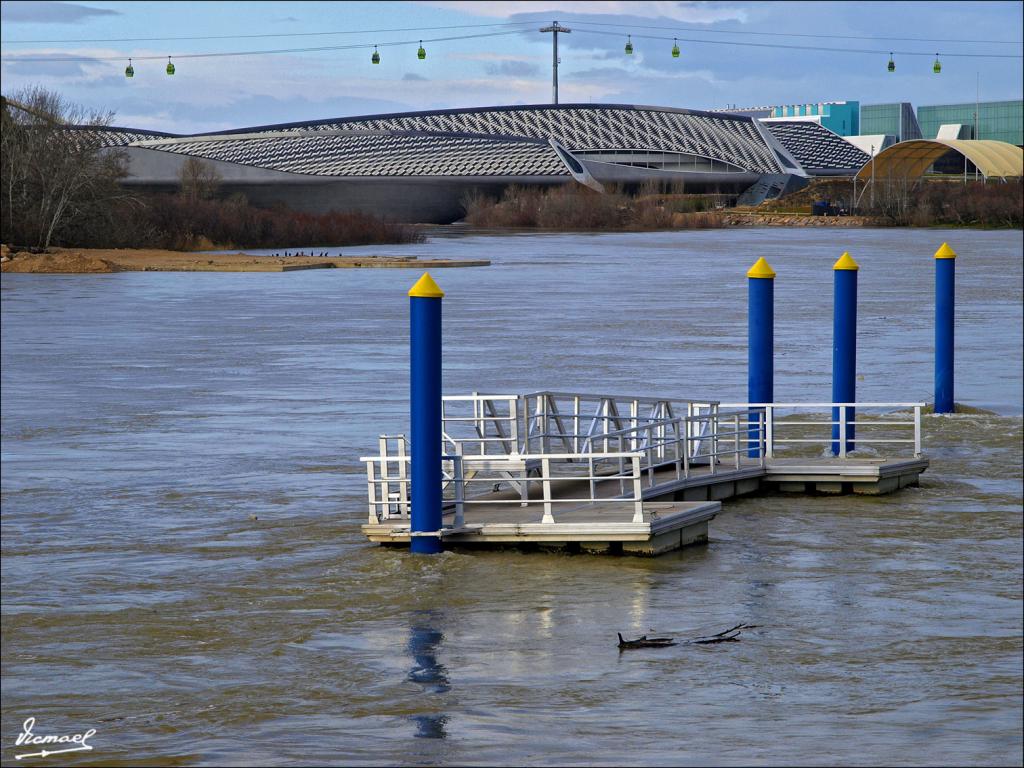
pixel 910 159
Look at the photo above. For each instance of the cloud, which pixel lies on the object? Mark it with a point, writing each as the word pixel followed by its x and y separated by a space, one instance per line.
pixel 489 57
pixel 287 19
pixel 698 13
pixel 413 76
pixel 511 69
pixel 41 12
pixel 18 66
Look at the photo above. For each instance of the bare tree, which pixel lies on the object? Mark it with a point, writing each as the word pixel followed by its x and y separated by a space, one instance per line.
pixel 56 170
pixel 199 180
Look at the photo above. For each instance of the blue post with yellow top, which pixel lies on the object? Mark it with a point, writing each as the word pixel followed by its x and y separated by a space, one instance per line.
pixel 844 351
pixel 760 344
pixel 425 406
pixel 945 293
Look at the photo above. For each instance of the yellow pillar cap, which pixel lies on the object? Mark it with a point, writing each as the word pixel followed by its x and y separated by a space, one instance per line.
pixel 426 288
pixel 846 262
pixel 945 252
pixel 761 269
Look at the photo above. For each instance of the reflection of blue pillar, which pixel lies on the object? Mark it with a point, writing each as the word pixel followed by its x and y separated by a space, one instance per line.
pixel 945 281
pixel 430 674
pixel 760 342
pixel 844 347
pixel 425 403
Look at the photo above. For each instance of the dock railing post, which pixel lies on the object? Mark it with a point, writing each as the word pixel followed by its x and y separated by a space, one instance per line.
pixel 425 405
pixel 545 465
pixel 458 482
pixel 769 430
pixel 945 291
pixel 638 494
pixel 760 342
pixel 842 431
pixel 371 484
pixel 917 431
pixel 762 434
pixel 844 352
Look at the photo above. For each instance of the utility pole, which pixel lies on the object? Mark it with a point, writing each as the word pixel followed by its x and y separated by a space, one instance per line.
pixel 554 29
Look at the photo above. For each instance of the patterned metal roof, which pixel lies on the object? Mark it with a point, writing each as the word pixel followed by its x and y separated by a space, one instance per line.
pixel 375 153
pixel 815 146
pixel 585 127
pixel 115 137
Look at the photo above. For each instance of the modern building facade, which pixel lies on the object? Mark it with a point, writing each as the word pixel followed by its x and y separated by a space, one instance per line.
pixel 897 120
pixel 422 166
pixel 840 117
pixel 819 151
pixel 995 120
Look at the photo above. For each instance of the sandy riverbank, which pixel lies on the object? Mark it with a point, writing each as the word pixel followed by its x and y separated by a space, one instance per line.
pixel 98 260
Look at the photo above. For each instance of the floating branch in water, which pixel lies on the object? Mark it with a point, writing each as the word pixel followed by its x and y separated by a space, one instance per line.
pixel 731 635
pixel 645 642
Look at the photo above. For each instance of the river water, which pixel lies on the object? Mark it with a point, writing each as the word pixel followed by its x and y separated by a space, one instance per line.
pixel 183 570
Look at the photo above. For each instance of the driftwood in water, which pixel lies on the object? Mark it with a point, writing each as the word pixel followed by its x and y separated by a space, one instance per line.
pixel 731 635
pixel 645 642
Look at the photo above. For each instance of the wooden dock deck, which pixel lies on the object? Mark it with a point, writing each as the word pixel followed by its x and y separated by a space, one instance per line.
pixel 626 484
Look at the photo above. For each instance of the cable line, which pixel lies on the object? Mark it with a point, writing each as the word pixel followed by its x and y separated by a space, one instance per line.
pixel 353 46
pixel 269 34
pixel 791 34
pixel 802 47
pixel 505 32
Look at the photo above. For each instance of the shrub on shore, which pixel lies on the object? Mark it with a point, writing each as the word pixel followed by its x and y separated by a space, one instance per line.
pixel 931 202
pixel 575 207
pixel 975 204
pixel 187 223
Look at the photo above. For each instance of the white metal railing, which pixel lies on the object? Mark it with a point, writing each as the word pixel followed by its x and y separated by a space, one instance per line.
pixel 386 503
pixel 548 440
pixel 564 419
pixel 884 428
pixel 481 424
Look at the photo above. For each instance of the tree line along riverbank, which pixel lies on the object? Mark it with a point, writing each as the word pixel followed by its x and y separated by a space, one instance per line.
pixel 932 202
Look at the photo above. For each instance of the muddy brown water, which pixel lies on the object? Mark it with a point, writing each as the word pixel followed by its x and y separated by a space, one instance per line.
pixel 181 494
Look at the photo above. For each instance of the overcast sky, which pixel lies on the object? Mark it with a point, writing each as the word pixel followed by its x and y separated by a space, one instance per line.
pixel 511 68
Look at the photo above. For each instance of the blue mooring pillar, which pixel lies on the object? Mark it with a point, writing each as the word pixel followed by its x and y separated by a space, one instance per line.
pixel 760 343
pixel 844 349
pixel 425 405
pixel 945 290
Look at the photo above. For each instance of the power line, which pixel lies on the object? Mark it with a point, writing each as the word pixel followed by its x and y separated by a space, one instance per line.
pixel 583 29
pixel 223 54
pixel 793 34
pixel 806 47
pixel 274 34
pixel 512 24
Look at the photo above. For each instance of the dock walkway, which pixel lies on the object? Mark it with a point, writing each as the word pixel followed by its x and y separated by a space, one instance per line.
pixel 635 475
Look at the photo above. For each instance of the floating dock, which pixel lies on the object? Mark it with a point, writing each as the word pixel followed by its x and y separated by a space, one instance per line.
pixel 632 475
